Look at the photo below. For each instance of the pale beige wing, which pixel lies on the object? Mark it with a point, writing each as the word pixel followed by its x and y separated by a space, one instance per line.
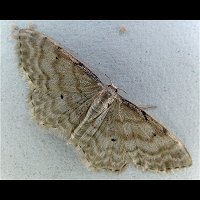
pixel 61 87
pixel 155 148
pixel 129 135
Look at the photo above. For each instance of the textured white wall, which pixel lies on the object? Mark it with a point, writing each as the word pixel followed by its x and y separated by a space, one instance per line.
pixel 155 62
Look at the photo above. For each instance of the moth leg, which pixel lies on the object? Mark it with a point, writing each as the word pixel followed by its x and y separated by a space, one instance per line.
pixel 145 107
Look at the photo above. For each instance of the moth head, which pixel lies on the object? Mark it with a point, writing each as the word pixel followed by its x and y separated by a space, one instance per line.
pixel 112 87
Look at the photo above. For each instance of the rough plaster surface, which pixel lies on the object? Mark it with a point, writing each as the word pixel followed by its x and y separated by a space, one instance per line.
pixel 155 62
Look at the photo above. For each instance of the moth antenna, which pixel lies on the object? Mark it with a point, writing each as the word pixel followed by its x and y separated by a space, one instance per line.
pixel 108 78
pixel 122 90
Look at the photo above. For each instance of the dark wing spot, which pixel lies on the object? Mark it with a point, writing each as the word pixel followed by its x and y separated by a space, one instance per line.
pixel 61 96
pixel 56 57
pixel 113 139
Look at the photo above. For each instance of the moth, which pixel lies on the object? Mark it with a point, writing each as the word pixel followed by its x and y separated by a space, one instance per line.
pixel 109 131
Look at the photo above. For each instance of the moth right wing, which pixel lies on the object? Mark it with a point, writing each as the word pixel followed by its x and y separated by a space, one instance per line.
pixel 128 135
pixel 149 144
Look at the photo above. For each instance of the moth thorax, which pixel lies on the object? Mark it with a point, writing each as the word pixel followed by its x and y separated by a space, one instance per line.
pixel 109 92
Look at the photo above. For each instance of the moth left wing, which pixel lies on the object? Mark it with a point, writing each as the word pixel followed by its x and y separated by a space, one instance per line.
pixel 61 88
